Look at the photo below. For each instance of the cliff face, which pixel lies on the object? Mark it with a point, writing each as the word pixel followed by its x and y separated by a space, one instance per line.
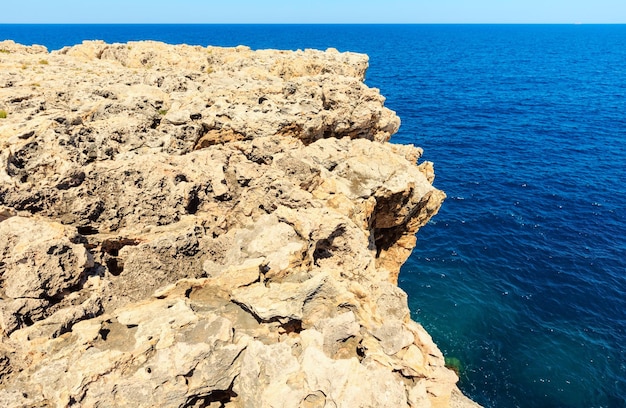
pixel 188 226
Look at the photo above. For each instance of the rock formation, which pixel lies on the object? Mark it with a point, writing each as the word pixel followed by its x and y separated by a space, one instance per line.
pixel 200 227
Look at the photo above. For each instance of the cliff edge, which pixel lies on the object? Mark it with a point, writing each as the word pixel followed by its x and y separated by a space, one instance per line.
pixel 200 227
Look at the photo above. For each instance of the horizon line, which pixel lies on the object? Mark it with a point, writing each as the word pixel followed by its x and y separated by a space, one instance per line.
pixel 310 23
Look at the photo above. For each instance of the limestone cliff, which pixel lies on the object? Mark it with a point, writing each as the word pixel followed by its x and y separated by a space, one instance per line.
pixel 191 227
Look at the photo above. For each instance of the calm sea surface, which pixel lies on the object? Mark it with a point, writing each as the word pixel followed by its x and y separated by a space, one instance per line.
pixel 522 274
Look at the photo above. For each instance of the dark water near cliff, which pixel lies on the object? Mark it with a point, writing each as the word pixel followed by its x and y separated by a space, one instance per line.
pixel 522 274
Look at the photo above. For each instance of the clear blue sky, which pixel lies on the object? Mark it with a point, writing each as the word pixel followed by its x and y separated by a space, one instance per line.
pixel 321 11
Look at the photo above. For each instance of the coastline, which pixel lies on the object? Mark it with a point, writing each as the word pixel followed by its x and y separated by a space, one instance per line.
pixel 194 207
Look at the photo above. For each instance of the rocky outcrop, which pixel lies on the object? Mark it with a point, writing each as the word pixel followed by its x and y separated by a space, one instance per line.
pixel 192 227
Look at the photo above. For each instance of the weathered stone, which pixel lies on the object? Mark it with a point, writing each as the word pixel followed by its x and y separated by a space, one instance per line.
pixel 341 335
pixel 266 372
pixel 391 301
pixel 40 263
pixel 393 336
pixel 203 226
pixel 279 301
pixel 178 117
pixel 347 383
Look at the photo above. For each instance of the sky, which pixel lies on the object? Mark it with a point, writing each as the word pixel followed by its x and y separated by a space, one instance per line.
pixel 320 11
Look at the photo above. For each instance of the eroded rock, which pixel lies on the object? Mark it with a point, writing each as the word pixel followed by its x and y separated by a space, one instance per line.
pixel 190 226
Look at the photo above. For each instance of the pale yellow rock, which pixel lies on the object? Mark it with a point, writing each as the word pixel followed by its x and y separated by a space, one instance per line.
pixel 204 226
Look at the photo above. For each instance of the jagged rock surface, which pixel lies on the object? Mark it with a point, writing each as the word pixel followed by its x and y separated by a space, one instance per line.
pixel 188 226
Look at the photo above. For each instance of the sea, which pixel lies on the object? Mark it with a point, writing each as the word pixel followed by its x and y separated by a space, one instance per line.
pixel 521 277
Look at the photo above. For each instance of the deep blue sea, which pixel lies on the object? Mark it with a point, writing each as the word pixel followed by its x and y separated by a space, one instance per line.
pixel 522 274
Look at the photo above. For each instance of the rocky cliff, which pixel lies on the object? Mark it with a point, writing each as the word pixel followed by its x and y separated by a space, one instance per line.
pixel 200 227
